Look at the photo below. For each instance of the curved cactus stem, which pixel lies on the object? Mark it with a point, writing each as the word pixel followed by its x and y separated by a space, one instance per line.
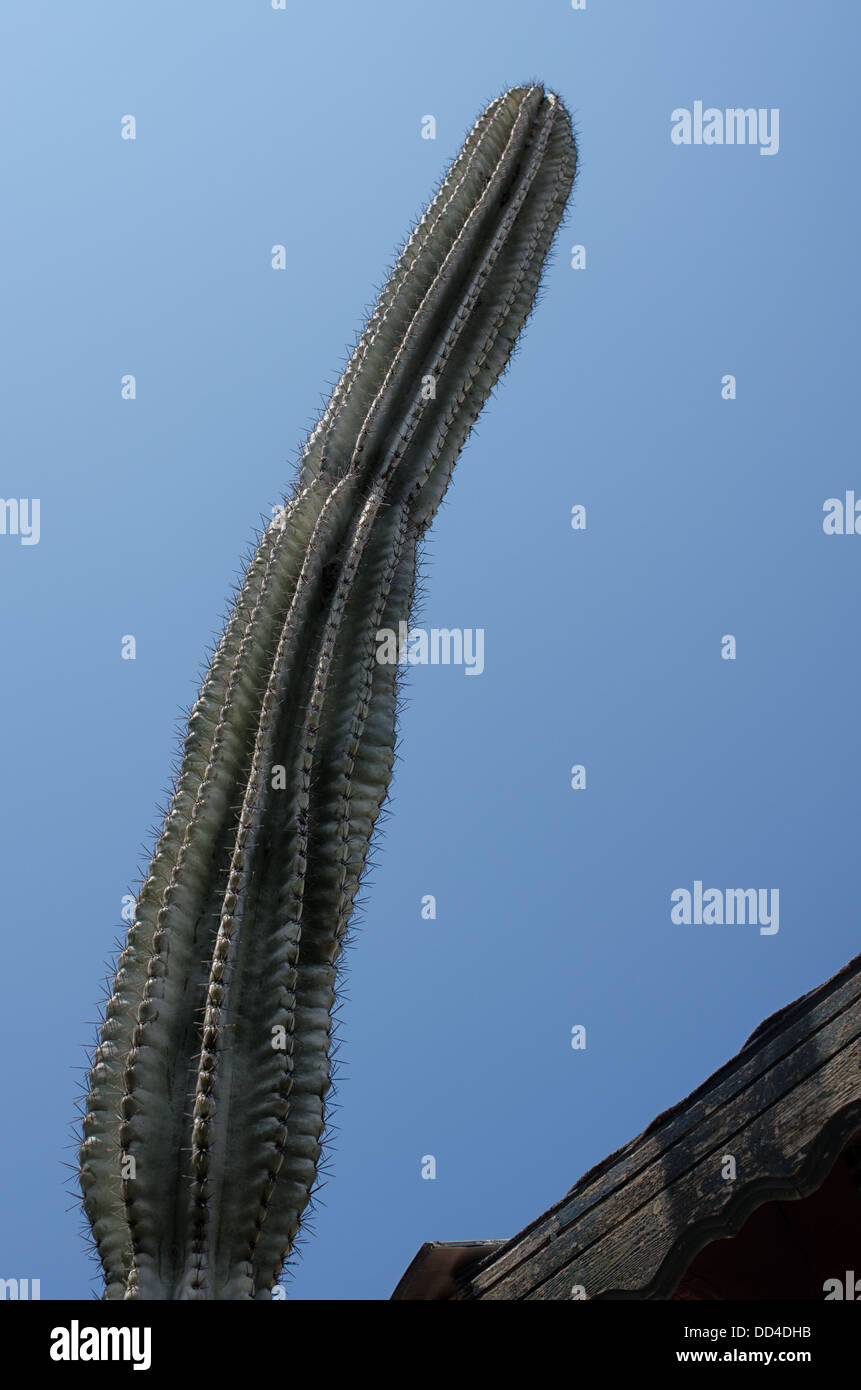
pixel 208 1086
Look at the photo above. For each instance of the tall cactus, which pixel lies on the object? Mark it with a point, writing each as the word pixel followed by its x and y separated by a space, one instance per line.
pixel 206 1105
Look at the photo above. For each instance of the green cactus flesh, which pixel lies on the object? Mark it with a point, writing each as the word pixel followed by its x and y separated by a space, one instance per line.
pixel 207 1092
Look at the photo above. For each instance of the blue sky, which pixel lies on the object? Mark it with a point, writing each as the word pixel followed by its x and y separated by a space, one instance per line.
pixel 602 647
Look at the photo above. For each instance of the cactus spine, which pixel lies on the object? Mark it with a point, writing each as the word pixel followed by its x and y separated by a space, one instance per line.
pixel 206 1105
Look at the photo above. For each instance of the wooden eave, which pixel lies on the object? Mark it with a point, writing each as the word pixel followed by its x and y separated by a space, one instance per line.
pixel 784 1107
pixel 435 1271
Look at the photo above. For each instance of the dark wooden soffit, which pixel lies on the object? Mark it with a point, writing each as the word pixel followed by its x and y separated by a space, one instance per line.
pixel 435 1271
pixel 783 1108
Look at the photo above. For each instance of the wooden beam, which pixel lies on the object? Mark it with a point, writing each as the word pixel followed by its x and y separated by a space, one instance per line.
pixel 782 1109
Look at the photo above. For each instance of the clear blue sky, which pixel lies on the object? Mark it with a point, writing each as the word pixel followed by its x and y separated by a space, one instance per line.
pixel 603 647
